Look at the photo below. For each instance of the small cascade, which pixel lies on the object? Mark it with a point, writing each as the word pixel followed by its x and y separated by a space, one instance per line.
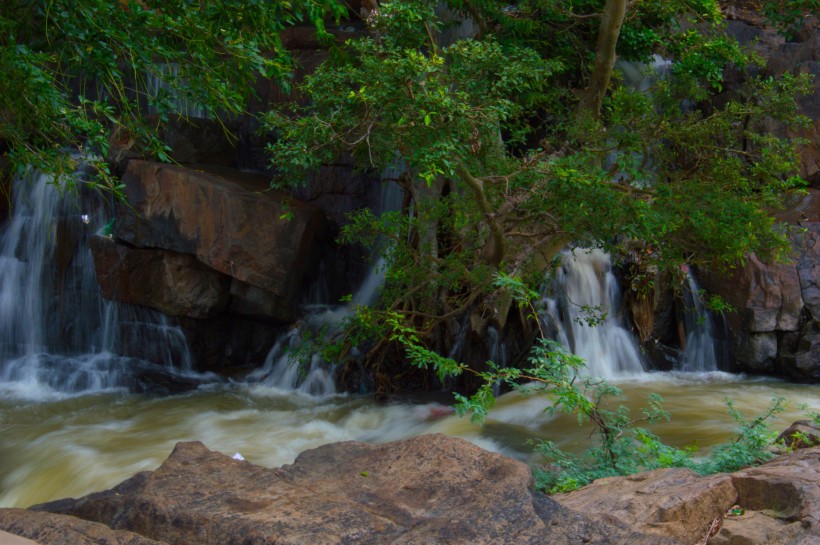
pixel 58 336
pixel 699 351
pixel 289 367
pixel 158 88
pixel 581 311
pixel 642 76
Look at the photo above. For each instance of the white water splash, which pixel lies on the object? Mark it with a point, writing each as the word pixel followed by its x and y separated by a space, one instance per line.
pixel 699 353
pixel 586 290
pixel 290 366
pixel 58 336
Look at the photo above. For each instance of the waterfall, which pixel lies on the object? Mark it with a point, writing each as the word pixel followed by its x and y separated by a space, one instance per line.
pixel 581 310
pixel 699 352
pixel 288 366
pixel 159 89
pixel 58 336
pixel 291 365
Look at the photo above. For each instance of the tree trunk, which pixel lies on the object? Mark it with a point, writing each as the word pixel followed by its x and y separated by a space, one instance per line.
pixel 611 20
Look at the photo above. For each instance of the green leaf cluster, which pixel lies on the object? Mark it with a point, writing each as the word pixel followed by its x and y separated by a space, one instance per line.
pixel 74 74
pixel 401 96
pixel 622 447
pixel 789 16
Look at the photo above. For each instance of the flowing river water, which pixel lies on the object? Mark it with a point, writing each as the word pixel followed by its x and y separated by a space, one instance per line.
pixel 74 446
pixel 69 424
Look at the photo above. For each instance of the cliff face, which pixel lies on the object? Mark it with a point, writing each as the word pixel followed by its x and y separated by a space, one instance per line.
pixel 776 326
pixel 248 269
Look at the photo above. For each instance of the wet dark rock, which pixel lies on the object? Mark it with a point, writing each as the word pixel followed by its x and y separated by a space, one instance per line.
pixel 229 344
pixel 808 265
pixel 775 327
pixel 780 56
pixel 162 381
pixel 801 434
pixel 174 283
pixel 229 221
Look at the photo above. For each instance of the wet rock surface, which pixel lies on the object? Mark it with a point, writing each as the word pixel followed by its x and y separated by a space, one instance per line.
pixel 176 284
pixel 774 326
pixel 429 489
pixel 801 434
pixel 229 221
pixel 666 502
pixel 432 489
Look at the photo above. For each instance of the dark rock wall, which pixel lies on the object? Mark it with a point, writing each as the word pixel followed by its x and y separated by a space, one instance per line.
pixel 774 328
pixel 212 245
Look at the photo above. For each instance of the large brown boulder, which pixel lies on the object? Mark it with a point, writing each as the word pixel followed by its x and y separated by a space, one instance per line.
pixel 779 502
pixel 229 221
pixel 176 284
pixel 32 528
pixel 425 490
pixel 665 502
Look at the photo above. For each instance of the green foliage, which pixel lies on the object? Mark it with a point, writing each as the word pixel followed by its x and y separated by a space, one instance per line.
pixel 751 446
pixel 789 16
pixel 402 97
pixel 551 370
pixel 417 354
pixel 500 172
pixel 74 73
pixel 622 447
pixel 625 449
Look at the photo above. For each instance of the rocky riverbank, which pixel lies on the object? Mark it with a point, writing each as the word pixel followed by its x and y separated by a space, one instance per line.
pixel 428 489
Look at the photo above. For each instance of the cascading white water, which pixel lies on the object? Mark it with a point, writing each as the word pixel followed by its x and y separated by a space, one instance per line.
pixel 699 353
pixel 288 366
pixel 58 336
pixel 581 311
pixel 157 85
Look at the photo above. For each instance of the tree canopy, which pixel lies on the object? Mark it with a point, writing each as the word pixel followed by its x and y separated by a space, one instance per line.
pixel 75 72
pixel 526 136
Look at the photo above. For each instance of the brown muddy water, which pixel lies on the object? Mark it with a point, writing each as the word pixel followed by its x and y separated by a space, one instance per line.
pixel 73 446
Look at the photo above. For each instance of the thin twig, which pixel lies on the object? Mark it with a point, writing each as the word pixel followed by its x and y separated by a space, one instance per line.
pixel 712 530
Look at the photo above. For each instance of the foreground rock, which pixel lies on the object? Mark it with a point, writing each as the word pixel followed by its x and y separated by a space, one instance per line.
pixel 427 490
pixel 801 434
pixel 50 529
pixel 779 501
